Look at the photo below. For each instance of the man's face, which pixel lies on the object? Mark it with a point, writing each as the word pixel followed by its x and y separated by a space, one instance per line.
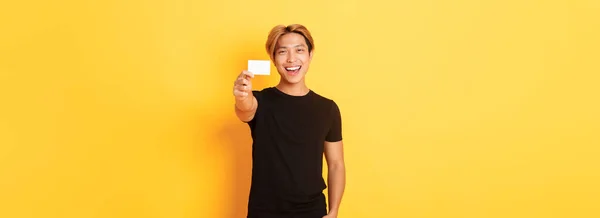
pixel 292 57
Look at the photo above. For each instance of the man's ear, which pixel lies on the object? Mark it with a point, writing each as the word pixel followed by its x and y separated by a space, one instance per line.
pixel 310 55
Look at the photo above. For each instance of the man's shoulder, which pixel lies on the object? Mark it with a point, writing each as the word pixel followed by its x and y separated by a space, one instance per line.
pixel 261 92
pixel 322 98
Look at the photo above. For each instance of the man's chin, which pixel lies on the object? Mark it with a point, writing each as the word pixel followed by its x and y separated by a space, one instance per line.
pixel 294 80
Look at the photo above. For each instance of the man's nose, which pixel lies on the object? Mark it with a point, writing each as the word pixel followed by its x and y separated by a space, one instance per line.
pixel 291 59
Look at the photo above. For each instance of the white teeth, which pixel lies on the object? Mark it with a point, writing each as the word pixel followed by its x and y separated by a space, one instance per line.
pixel 292 68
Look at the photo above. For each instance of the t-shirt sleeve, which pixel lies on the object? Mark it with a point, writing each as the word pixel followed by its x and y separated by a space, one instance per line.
pixel 257 94
pixel 335 130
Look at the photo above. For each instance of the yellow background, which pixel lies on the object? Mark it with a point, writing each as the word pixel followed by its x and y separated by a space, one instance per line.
pixel 470 109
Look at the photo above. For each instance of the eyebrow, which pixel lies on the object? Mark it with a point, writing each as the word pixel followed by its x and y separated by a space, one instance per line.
pixel 296 46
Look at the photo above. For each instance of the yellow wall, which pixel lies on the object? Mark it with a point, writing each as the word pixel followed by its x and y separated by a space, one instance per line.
pixel 466 109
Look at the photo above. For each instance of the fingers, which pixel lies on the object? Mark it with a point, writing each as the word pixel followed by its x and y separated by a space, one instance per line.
pixel 243 88
pixel 242 81
pixel 239 93
pixel 242 84
pixel 244 77
pixel 247 74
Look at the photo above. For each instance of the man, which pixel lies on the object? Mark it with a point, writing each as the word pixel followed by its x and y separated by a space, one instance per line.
pixel 291 127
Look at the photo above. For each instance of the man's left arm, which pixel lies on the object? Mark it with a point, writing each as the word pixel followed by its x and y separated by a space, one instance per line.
pixel 336 175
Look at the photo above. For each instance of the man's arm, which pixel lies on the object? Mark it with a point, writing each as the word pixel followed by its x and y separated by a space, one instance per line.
pixel 245 102
pixel 336 179
pixel 245 109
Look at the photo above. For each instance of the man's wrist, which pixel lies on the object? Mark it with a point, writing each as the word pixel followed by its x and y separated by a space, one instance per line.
pixel 239 104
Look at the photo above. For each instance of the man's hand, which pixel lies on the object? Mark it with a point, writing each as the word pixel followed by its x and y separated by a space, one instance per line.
pixel 242 87
pixel 245 102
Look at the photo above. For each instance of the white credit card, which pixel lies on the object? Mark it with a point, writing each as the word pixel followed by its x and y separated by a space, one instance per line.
pixel 259 67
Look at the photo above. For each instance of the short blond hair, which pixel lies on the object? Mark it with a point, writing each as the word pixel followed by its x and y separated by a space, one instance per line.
pixel 281 30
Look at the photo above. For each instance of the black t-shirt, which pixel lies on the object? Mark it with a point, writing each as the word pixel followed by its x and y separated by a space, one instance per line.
pixel 288 135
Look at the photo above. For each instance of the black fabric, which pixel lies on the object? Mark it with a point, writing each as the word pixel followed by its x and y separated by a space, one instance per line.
pixel 318 213
pixel 288 135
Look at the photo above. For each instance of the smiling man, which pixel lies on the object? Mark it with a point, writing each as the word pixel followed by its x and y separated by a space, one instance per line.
pixel 292 127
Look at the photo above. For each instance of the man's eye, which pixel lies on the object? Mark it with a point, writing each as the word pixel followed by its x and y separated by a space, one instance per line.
pixel 281 52
pixel 300 50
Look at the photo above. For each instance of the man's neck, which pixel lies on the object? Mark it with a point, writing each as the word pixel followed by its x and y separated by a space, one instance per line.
pixel 299 89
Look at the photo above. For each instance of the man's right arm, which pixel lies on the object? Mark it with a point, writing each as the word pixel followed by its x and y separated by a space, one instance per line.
pixel 245 109
pixel 245 102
